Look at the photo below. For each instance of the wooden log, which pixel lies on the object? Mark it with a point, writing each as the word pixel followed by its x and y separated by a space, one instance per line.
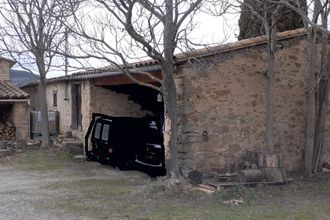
pixel 268 160
pixel 251 175
pixel 273 174
pixel 7 131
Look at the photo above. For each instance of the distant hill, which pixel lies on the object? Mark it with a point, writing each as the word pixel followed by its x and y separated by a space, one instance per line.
pixel 22 77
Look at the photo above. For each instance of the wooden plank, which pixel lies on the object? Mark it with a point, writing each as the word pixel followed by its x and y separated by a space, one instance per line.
pixel 205 188
pixel 124 79
pixel 287 181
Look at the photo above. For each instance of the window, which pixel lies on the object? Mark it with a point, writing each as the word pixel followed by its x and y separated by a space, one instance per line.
pixel 97 130
pixel 54 98
pixel 105 132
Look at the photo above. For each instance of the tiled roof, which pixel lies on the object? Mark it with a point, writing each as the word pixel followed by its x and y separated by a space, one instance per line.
pixel 251 42
pixel 182 57
pixel 7 60
pixel 9 91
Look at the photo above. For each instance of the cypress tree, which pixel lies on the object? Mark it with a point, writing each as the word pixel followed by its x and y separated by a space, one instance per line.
pixel 251 26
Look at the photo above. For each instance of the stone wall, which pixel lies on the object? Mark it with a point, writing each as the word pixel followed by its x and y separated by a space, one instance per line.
pixel 114 104
pixel 222 107
pixel 21 119
pixel 33 94
pixel 4 70
pixel 326 148
pixel 94 99
pixel 64 106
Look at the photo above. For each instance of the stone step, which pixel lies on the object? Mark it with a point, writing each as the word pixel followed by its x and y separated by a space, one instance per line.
pixel 75 147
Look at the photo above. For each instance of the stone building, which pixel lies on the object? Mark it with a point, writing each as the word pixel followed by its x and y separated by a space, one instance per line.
pixel 221 101
pixel 14 106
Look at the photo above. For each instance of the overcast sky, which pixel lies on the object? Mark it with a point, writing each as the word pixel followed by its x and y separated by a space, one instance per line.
pixel 209 30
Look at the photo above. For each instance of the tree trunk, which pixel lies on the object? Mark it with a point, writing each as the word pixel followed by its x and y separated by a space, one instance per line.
pixel 319 133
pixel 323 93
pixel 311 111
pixel 44 114
pixel 269 93
pixel 43 101
pixel 170 129
pixel 273 174
pixel 169 92
pixel 246 176
pixel 269 109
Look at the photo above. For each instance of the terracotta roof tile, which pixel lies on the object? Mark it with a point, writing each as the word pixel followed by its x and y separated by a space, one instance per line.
pixel 207 51
pixel 9 91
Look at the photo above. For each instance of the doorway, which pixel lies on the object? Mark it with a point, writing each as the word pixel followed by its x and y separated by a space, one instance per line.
pixel 76 115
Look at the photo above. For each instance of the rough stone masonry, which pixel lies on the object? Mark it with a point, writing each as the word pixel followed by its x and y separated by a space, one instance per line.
pixel 222 106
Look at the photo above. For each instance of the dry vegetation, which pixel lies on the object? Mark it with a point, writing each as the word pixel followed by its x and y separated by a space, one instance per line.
pixel 39 184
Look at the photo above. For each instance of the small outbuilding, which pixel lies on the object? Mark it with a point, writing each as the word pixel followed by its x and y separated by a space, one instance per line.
pixel 14 106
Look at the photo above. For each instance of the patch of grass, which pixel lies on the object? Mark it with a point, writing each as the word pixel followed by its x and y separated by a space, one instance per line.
pixel 84 208
pixel 120 199
pixel 209 210
pixel 126 195
pixel 236 192
pixel 304 215
pixel 175 211
pixel 42 160
pixel 92 198
pixel 311 212
pixel 104 187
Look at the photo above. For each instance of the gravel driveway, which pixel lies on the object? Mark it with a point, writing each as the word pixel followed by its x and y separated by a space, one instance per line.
pixel 58 189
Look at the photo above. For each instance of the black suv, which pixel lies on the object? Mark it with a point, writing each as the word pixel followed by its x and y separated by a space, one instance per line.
pixel 127 143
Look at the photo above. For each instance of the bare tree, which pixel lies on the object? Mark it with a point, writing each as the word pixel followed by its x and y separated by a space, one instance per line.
pixel 318 86
pixel 322 94
pixel 31 32
pixel 141 29
pixel 268 16
pixel 313 14
pixel 318 83
pixel 316 21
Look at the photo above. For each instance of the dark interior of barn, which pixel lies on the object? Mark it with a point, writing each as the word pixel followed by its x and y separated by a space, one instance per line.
pixel 130 142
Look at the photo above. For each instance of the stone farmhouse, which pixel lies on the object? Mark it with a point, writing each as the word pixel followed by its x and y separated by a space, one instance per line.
pixel 14 107
pixel 221 101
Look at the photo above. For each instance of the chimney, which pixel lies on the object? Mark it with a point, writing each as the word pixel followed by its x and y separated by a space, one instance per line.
pixel 5 65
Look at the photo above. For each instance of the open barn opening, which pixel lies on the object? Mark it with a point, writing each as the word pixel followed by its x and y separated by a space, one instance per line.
pixel 131 139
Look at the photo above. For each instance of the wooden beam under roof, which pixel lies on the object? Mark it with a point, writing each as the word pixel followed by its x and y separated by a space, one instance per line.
pixel 124 79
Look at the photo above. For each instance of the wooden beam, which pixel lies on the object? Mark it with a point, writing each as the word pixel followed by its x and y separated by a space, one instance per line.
pixel 124 79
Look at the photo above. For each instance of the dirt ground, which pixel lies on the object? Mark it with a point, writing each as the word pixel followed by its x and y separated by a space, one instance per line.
pixel 39 184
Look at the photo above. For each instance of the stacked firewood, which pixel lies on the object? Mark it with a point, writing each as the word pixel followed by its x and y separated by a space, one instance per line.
pixel 7 131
